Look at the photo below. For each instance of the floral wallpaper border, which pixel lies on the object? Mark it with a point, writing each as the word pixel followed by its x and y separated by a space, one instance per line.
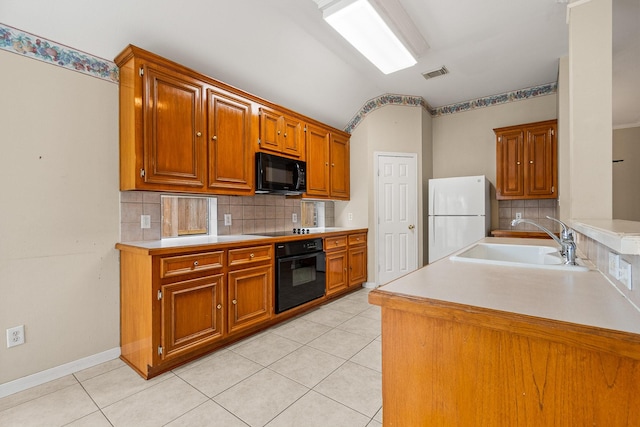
pixel 32 46
pixel 488 101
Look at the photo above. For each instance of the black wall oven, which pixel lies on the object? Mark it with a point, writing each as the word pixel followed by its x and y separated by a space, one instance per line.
pixel 300 273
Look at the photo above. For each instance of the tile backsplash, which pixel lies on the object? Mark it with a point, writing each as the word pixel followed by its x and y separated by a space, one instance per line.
pixel 249 214
pixel 536 210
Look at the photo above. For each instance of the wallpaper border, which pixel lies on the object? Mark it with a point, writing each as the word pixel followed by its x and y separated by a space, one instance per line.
pixel 41 49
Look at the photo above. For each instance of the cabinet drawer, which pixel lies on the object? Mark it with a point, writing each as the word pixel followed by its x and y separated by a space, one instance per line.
pixel 357 239
pixel 186 264
pixel 252 255
pixel 333 243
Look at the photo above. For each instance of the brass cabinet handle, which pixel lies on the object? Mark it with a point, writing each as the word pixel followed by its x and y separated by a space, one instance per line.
pixel 278 132
pixel 214 137
pixel 517 163
pixel 333 165
pixel 530 161
pixel 251 256
pixel 198 133
pixel 285 134
pixel 234 302
pixel 219 306
pixel 195 263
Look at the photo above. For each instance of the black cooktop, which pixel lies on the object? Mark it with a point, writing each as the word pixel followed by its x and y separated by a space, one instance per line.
pixel 293 232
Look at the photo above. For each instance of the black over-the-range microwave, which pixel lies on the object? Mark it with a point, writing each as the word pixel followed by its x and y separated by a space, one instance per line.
pixel 276 174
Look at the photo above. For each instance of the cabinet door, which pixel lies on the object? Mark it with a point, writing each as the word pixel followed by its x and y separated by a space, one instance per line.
pixel 509 164
pixel 357 265
pixel 191 314
pixel 336 275
pixel 269 128
pixel 339 155
pixel 292 137
pixel 541 158
pixel 230 157
pixel 317 141
pixel 174 151
pixel 250 297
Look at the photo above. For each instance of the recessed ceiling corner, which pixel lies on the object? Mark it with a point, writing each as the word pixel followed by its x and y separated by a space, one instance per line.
pixel 435 73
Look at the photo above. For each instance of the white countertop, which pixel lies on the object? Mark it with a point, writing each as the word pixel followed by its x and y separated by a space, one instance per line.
pixel 585 298
pixel 620 235
pixel 181 242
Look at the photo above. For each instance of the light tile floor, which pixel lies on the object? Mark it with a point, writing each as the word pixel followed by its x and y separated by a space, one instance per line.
pixel 322 368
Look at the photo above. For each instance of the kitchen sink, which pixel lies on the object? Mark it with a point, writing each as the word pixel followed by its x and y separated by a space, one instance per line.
pixel 532 256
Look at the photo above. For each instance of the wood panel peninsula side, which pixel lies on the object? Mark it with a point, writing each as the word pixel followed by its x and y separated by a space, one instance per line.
pixel 482 345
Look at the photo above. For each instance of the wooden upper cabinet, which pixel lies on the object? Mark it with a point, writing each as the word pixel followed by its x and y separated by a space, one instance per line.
pixel 281 134
pixel 339 162
pixel 317 161
pixel 173 150
pixel 327 163
pixel 181 131
pixel 230 157
pixel 527 161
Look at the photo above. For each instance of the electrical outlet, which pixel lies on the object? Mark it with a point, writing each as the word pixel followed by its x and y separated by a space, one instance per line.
pixel 294 217
pixel 15 336
pixel 350 216
pixel 518 215
pixel 145 221
pixel 227 219
pixel 614 265
pixel 625 274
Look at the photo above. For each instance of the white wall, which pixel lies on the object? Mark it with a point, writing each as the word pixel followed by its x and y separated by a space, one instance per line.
pixel 590 109
pixel 59 219
pixel 392 128
pixel 626 174
pixel 464 143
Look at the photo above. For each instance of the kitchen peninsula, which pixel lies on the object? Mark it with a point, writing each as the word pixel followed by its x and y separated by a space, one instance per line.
pixel 477 344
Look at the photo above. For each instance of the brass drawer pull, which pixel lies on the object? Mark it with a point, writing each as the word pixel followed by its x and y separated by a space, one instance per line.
pixel 195 263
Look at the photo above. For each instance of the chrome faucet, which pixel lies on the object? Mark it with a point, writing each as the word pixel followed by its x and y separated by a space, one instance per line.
pixel 567 245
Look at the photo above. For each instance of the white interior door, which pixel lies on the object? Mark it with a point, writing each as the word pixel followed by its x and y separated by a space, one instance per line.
pixel 397 208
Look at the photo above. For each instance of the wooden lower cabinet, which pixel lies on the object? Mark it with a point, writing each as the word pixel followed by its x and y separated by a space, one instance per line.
pixel 191 314
pixel 336 276
pixel 346 263
pixel 459 365
pixel 178 304
pixel 357 259
pixel 250 297
pixel 176 307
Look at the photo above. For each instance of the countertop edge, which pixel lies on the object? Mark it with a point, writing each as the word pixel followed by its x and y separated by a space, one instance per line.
pixel 152 248
pixel 586 336
pixel 620 235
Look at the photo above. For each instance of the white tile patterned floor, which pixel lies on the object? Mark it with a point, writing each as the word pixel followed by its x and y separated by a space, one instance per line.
pixel 322 368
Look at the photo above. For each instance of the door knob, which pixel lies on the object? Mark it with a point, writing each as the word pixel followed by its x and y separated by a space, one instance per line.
pixel 411 227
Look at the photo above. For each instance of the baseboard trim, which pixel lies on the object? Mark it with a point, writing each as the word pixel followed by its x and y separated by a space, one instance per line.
pixel 369 285
pixel 54 373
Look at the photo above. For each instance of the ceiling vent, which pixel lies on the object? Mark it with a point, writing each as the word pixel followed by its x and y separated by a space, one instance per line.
pixel 435 73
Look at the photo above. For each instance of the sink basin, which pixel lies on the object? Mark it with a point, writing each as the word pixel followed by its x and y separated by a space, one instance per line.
pixel 531 256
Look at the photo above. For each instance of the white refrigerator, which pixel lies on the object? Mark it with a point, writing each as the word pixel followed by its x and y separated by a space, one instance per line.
pixel 459 213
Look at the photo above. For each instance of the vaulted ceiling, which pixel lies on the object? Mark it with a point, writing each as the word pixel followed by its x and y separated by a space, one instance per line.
pixel 282 50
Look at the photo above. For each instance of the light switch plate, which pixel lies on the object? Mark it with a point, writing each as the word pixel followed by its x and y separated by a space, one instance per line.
pixel 614 265
pixel 145 221
pixel 227 219
pixel 625 274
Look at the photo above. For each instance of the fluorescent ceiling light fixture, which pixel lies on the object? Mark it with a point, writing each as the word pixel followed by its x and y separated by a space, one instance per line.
pixel 359 23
